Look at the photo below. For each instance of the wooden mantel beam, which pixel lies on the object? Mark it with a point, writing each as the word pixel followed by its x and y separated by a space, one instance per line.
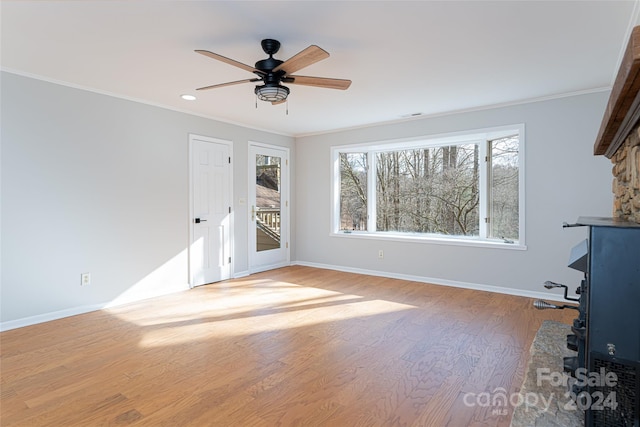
pixel 623 109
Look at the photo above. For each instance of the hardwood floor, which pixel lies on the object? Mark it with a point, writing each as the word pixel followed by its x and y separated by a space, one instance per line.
pixel 297 346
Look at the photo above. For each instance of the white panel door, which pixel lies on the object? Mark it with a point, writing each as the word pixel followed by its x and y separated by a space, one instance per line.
pixel 210 246
pixel 269 207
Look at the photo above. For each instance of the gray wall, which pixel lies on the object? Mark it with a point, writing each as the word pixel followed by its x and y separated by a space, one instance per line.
pixel 93 183
pixel 100 184
pixel 563 181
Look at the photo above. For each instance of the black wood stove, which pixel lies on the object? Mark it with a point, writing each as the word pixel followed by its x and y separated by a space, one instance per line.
pixel 606 332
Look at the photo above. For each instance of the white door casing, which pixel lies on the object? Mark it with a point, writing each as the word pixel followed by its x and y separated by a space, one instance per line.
pixel 211 233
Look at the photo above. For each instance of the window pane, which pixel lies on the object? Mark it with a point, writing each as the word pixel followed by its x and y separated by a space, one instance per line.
pixel 504 188
pixel 267 210
pixel 428 190
pixel 353 191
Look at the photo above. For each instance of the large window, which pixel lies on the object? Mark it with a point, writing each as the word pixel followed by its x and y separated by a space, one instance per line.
pixel 462 187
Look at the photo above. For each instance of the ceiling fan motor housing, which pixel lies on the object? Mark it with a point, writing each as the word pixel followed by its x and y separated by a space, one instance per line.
pixel 269 64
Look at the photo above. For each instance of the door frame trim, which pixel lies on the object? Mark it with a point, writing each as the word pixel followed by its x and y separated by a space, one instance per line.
pixel 193 137
pixel 251 181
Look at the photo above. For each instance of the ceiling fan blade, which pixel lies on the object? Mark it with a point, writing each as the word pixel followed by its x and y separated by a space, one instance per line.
pixel 302 59
pixel 237 82
pixel 230 61
pixel 279 102
pixel 341 84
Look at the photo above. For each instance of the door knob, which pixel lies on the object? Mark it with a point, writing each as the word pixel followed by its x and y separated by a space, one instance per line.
pixel 198 220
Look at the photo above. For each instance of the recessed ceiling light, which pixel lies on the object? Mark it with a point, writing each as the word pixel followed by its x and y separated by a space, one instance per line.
pixel 188 97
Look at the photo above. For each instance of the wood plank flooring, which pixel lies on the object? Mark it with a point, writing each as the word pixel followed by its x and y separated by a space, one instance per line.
pixel 296 346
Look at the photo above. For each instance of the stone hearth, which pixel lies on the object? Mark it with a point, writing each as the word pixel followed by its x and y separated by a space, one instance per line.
pixel 545 404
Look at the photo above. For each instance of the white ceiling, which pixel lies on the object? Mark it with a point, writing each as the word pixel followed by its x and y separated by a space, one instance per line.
pixel 428 57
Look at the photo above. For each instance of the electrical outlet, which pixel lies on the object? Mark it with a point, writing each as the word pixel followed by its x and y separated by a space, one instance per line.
pixel 380 254
pixel 85 279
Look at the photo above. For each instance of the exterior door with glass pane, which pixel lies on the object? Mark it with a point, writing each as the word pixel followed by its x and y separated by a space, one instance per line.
pixel 269 207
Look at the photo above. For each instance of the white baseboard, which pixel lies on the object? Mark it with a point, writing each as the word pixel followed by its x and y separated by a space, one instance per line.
pixel 240 274
pixel 46 317
pixel 74 311
pixel 262 268
pixel 437 281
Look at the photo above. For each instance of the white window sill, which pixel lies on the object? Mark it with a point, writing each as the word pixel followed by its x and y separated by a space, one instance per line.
pixel 432 239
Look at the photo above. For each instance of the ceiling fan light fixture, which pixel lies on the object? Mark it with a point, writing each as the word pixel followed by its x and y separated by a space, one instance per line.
pixel 272 93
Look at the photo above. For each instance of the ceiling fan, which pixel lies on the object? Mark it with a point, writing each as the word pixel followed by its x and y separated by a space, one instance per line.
pixel 272 72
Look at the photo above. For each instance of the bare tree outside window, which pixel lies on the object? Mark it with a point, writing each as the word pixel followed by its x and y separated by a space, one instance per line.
pixel 504 188
pixel 353 191
pixel 428 190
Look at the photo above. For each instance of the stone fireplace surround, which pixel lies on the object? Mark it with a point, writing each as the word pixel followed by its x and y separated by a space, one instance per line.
pixel 619 135
pixel 626 178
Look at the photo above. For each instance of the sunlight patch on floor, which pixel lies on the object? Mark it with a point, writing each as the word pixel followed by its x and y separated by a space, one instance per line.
pixel 253 310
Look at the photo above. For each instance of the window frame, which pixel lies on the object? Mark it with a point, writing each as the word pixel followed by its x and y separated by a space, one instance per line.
pixel 482 137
